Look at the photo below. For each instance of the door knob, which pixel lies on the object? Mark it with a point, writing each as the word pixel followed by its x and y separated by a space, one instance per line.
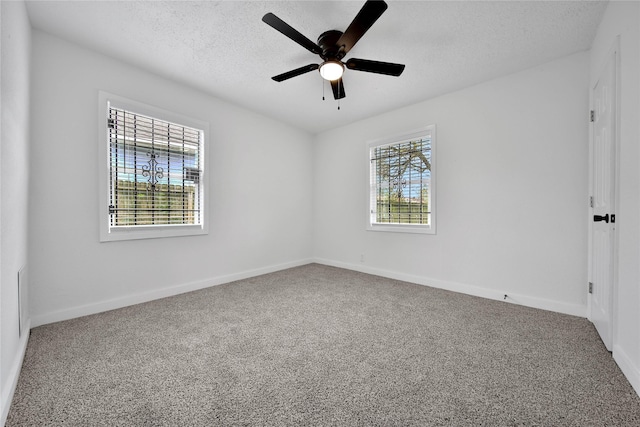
pixel 604 218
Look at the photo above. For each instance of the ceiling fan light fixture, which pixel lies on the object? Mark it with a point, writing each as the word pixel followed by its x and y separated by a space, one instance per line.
pixel 333 46
pixel 331 70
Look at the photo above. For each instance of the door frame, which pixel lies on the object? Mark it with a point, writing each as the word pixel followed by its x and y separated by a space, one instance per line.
pixel 613 51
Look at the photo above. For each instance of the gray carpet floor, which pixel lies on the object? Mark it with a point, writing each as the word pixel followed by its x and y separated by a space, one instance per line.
pixel 322 346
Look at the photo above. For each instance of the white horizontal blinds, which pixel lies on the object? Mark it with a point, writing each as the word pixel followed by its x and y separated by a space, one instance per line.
pixel 402 182
pixel 155 170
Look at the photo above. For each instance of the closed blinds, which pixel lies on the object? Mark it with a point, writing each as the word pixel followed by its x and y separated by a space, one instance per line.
pixel 401 178
pixel 155 171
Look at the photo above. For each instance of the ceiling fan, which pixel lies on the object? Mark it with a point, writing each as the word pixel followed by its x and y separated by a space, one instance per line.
pixel 333 45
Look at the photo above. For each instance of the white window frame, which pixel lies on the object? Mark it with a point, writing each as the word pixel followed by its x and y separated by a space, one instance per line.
pixel 107 233
pixel 372 225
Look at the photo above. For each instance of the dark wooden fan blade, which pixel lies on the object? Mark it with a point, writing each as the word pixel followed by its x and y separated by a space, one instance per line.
pixel 338 89
pixel 378 67
pixel 296 72
pixel 370 12
pixel 286 29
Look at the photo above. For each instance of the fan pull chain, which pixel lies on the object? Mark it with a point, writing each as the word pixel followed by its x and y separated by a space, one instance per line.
pixel 323 89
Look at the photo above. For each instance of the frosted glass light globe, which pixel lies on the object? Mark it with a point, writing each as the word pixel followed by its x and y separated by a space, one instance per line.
pixel 331 70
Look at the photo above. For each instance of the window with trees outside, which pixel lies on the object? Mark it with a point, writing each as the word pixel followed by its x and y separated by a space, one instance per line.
pixel 155 173
pixel 402 183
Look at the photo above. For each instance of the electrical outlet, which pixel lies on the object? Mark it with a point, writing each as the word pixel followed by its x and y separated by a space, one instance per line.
pixel 361 257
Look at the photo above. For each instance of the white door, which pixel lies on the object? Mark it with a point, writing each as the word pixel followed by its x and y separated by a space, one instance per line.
pixel 603 191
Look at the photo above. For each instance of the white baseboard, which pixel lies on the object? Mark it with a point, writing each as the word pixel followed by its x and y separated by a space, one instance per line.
pixel 528 301
pixel 628 368
pixel 98 307
pixel 14 373
pixel 112 304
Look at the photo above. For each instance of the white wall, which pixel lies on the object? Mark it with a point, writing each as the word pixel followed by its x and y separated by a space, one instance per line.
pixel 623 19
pixel 260 173
pixel 511 196
pixel 14 176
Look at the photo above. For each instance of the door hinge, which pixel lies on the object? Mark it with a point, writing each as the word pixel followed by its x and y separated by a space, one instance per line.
pixel 591 201
pixel 592 116
pixel 111 124
pixel 590 287
pixel 112 209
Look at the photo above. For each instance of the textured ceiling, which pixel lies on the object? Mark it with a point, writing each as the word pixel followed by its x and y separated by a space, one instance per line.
pixel 223 47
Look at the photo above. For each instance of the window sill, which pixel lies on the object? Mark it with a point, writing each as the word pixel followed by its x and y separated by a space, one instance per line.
pixel 151 232
pixel 402 228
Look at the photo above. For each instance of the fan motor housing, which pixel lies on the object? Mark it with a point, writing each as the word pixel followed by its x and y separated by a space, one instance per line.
pixel 328 41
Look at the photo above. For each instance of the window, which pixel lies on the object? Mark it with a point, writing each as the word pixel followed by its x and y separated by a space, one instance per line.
pixel 402 184
pixel 155 176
